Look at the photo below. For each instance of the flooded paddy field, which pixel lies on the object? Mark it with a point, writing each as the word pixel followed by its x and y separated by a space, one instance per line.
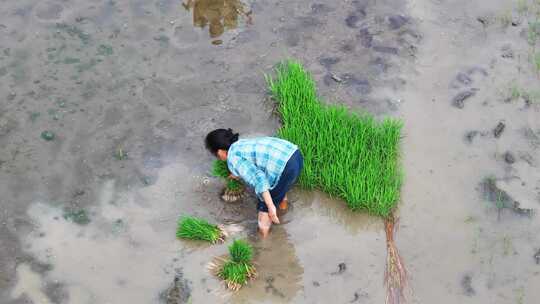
pixel 104 106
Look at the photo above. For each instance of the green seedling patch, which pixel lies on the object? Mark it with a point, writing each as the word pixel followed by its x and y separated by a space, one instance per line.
pixel 348 155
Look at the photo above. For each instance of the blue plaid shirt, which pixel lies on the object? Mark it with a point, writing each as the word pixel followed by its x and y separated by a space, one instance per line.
pixel 260 161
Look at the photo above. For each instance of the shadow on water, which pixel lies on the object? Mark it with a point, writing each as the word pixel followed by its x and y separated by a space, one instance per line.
pixel 218 15
pixel 280 272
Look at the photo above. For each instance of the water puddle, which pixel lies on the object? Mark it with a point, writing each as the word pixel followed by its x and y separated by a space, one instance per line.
pixel 126 250
pixel 218 15
pixel 280 272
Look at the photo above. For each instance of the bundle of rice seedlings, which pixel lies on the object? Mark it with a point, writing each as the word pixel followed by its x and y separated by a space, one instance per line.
pixel 234 189
pixel 193 228
pixel 348 155
pixel 238 269
pixel 220 169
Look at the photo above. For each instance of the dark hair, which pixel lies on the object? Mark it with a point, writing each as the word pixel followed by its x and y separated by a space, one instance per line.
pixel 220 139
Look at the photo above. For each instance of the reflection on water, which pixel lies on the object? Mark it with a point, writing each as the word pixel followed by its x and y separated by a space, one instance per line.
pixel 280 272
pixel 219 15
pixel 319 204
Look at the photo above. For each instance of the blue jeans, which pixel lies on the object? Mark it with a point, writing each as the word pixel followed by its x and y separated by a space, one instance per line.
pixel 287 179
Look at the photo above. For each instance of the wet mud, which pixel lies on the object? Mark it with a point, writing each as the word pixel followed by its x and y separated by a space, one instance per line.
pixel 104 105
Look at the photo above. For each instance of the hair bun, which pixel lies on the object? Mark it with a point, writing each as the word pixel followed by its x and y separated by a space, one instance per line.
pixel 234 138
pixel 231 135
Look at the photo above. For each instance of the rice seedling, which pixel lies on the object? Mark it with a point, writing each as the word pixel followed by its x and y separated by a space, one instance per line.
pixel 120 154
pixel 241 252
pixel 536 61
pixel 234 189
pixel 506 18
pixel 193 228
pixel 234 185
pixel 522 6
pixel 533 96
pixel 348 155
pixel 533 32
pixel 238 269
pixel 515 92
pixel 220 169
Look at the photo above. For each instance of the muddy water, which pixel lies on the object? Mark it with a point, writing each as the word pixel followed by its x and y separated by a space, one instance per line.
pixel 129 88
pixel 475 252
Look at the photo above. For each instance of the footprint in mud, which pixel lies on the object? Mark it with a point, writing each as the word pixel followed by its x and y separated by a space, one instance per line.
pixel 270 288
pixel 464 80
pixel 356 85
pixel 501 199
pixel 467 77
pixel 397 21
pixel 379 66
pixel 509 157
pixel 354 19
pixel 459 100
pixel 328 61
pixel 321 8
pixel 466 284
pixel 507 51
pixel 342 267
pixel 358 296
pixel 385 49
pixel 179 292
pixel 365 37
pixel 49 11
pixel 499 129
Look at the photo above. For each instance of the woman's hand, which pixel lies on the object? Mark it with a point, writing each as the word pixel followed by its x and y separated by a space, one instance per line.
pixel 272 213
pixel 234 177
